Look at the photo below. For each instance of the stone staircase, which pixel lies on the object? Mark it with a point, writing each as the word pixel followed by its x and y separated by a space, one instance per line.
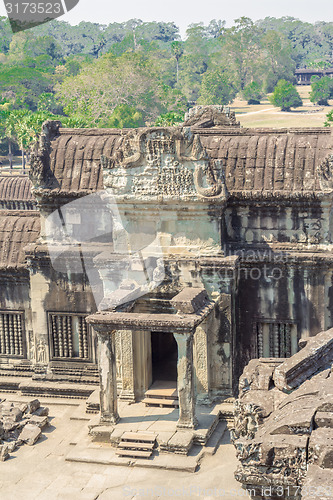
pixel 136 445
pixel 163 394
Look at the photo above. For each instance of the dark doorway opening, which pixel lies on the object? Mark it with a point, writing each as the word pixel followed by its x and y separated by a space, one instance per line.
pixel 164 356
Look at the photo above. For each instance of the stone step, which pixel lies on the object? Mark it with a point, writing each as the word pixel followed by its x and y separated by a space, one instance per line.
pixel 134 453
pixel 136 444
pixel 161 402
pixel 144 437
pixel 128 445
pixel 162 389
pixel 55 389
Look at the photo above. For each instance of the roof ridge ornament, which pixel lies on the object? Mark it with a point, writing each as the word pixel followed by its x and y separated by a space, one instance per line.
pixel 210 116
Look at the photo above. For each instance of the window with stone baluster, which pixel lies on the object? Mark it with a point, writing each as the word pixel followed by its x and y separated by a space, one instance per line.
pixel 70 337
pixel 276 339
pixel 12 342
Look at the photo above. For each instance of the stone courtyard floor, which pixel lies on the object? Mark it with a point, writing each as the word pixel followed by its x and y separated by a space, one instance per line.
pixel 41 472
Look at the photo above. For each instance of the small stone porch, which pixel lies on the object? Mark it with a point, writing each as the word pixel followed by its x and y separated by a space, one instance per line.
pixel 175 449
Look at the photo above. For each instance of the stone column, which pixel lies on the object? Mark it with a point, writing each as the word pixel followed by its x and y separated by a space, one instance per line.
pixel 127 366
pixel 108 377
pixel 185 381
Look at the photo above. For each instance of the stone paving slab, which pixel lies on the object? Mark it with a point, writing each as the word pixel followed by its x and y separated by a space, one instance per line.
pixel 107 456
pixel 41 472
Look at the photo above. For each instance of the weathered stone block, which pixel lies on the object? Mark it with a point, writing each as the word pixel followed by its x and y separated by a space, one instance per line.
pixel 324 419
pixel 30 434
pixel 284 449
pixel 258 375
pixel 42 412
pixel 38 421
pixel 33 406
pixel 190 300
pixel 321 448
pixel 318 484
pixel 4 452
pixel 297 420
pixel 317 353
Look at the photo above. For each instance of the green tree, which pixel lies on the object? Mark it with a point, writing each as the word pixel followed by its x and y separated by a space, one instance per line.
pixel 125 116
pixel 277 61
pixel 47 103
pixel 321 90
pixel 285 96
pixel 22 86
pixel 170 119
pixel 100 87
pixel 7 129
pixel 241 45
pixel 329 119
pixel 253 93
pixel 216 88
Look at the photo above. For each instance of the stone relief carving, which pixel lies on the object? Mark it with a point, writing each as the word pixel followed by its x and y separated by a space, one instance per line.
pixel 41 352
pixel 32 347
pixel 163 162
pixel 325 173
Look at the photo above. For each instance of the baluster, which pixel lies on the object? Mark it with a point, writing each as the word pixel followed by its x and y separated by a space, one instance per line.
pixel 20 334
pixel 55 336
pixel 85 338
pixel 288 340
pixel 271 340
pixel 7 342
pixel 70 336
pixel 61 350
pixel 64 333
pixel 14 321
pixel 260 337
pixel 276 340
pixel 2 335
pixel 81 353
pixel 11 333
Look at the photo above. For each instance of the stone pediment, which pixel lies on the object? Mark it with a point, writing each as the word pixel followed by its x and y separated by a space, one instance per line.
pixel 164 164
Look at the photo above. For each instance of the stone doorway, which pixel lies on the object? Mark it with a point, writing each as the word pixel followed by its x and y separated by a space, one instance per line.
pixel 164 357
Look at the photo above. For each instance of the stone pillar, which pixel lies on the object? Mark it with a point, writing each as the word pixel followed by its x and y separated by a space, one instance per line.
pixel 127 366
pixel 185 381
pixel 108 377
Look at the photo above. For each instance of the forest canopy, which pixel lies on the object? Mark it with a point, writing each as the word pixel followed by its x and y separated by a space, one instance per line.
pixel 135 73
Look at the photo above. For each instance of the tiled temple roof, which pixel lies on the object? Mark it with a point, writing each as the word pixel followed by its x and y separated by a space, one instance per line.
pixel 270 160
pixel 75 158
pixel 257 162
pixel 15 192
pixel 16 232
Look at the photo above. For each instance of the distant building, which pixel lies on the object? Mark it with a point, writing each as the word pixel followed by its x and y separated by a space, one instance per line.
pixel 304 75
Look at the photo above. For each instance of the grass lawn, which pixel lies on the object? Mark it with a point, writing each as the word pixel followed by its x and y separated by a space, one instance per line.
pixel 266 115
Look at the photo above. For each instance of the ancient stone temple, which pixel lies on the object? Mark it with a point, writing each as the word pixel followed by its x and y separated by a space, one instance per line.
pixel 217 251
